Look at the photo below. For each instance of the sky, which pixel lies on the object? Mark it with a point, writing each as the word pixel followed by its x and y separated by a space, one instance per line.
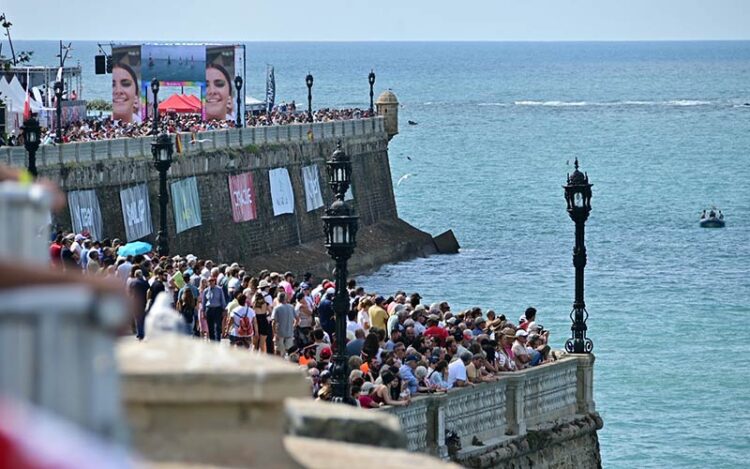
pixel 379 20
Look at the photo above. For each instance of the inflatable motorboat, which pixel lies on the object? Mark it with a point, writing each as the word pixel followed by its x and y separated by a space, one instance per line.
pixel 712 219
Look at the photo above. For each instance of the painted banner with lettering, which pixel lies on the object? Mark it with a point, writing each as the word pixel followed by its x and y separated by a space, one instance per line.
pixel 85 213
pixel 242 194
pixel 282 194
pixel 313 197
pixel 136 212
pixel 186 204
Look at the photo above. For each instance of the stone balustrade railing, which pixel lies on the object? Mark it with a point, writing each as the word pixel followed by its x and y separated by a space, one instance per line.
pixel 56 336
pixel 507 408
pixel 103 150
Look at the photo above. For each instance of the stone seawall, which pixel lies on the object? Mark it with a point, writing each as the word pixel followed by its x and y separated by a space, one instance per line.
pixel 543 417
pixel 285 242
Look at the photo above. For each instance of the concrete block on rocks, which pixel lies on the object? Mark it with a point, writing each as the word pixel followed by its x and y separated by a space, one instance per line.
pixel 318 454
pixel 202 403
pixel 343 423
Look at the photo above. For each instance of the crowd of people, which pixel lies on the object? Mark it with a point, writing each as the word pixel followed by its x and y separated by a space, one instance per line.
pixel 106 128
pixel 397 345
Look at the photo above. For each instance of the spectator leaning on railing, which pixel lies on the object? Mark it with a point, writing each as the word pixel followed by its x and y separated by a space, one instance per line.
pixel 88 130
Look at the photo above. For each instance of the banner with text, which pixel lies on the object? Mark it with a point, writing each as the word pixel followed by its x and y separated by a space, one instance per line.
pixel 242 194
pixel 313 197
pixel 186 204
pixel 85 213
pixel 136 212
pixel 282 194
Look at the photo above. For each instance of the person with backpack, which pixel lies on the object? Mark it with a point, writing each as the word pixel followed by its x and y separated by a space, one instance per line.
pixel 242 324
pixel 187 301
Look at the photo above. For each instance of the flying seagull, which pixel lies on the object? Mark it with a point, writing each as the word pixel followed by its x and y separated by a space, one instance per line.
pixel 404 178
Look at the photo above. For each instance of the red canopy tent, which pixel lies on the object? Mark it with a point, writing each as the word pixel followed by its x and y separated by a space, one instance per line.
pixel 181 104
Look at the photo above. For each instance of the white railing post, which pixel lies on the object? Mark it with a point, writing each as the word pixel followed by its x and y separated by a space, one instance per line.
pixel 585 384
pixel 514 404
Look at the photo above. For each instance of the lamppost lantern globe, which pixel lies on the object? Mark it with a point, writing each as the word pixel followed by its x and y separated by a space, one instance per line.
pixel 339 171
pixel 309 80
pixel 31 134
pixel 578 193
pixel 238 82
pixel 58 87
pixel 161 150
pixel 155 86
pixel 31 131
pixel 371 77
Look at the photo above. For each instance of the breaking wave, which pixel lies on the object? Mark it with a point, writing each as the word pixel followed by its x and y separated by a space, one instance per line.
pixel 674 102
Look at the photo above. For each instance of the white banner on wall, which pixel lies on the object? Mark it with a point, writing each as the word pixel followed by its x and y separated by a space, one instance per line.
pixel 313 197
pixel 85 213
pixel 282 194
pixel 186 204
pixel 136 212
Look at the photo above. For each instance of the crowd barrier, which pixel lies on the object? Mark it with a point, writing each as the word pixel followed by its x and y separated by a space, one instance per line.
pixel 204 141
pixel 511 406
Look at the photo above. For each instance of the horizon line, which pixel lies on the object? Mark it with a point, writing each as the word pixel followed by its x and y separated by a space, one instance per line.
pixel 304 41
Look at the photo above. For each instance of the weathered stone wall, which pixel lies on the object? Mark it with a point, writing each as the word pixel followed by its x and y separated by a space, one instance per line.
pixel 254 241
pixel 564 445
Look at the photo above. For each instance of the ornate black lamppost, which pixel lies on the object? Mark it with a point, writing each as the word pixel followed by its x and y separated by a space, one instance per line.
pixel 161 149
pixel 155 92
pixel 309 82
pixel 578 198
pixel 238 86
pixel 58 87
pixel 31 133
pixel 371 79
pixel 340 227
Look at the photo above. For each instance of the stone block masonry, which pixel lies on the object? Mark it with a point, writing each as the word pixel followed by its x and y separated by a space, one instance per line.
pixel 284 242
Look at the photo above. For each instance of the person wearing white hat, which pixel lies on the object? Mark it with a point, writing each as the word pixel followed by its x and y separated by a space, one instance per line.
pixel 519 350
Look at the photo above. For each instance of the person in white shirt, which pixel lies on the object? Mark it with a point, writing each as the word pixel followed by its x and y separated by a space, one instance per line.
pixel 520 352
pixel 123 270
pixel 239 336
pixel 457 371
pixel 363 316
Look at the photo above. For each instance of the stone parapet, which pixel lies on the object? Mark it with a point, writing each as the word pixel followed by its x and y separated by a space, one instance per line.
pixel 103 150
pixel 515 405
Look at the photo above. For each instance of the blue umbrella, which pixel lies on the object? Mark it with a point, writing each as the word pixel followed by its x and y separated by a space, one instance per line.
pixel 134 248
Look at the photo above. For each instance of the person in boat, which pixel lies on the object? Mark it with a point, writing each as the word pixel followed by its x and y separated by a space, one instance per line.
pixel 721 215
pixel 711 214
pixel 703 214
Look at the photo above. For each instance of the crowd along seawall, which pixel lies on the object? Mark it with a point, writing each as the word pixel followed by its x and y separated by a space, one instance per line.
pixel 288 241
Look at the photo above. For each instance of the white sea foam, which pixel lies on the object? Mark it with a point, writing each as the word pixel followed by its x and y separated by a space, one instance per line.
pixel 688 102
pixel 675 102
pixel 550 103
pixel 492 104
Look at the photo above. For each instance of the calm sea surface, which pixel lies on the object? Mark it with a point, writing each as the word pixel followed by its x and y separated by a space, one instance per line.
pixel 663 133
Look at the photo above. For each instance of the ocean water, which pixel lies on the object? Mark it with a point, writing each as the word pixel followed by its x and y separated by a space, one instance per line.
pixel 663 132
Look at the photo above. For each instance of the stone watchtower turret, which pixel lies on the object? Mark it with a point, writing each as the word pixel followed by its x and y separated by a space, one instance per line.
pixel 387 106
